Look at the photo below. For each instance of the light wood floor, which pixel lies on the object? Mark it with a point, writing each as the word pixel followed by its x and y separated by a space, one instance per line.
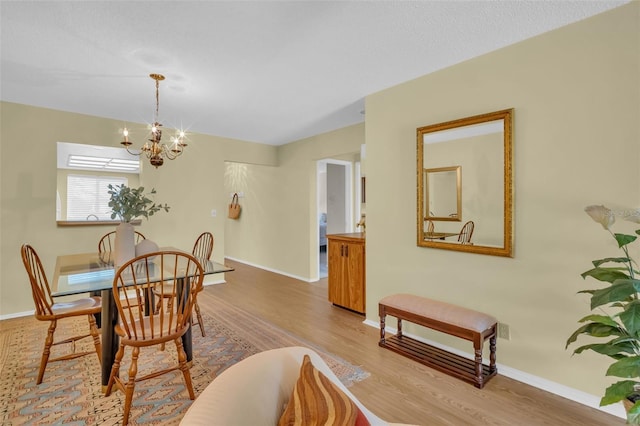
pixel 398 390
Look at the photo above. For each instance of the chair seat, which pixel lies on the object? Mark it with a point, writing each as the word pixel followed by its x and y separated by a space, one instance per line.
pixel 88 305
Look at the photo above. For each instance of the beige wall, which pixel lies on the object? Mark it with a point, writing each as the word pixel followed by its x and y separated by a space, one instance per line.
pixel 192 185
pixel 278 228
pixel 576 95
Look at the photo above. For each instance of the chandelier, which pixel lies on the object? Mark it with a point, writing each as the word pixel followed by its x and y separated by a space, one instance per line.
pixel 154 150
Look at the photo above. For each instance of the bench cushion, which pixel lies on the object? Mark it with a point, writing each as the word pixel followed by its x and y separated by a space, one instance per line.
pixel 440 311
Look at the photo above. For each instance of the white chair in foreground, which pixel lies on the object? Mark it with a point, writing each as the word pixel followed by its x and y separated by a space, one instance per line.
pixel 255 390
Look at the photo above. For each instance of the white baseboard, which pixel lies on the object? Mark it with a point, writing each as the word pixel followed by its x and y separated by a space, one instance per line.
pixel 17 315
pixel 531 380
pixel 269 269
pixel 212 281
pixel 206 282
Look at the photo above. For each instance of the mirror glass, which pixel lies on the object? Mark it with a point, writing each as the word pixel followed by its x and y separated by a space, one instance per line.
pixel 443 193
pixel 470 212
pixel 84 172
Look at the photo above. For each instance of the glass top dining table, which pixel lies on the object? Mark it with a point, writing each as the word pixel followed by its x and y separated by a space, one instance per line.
pixel 93 273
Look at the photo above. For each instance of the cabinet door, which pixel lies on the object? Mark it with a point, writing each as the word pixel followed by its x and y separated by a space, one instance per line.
pixel 354 276
pixel 336 274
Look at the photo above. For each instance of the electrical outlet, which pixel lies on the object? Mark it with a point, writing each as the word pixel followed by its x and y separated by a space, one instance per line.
pixel 503 331
pixel 214 213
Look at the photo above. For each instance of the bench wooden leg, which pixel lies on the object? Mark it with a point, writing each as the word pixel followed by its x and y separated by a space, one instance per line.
pixel 399 333
pixel 492 356
pixel 382 325
pixel 477 346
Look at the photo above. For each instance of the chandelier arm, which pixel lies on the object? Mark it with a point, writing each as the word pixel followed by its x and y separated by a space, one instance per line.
pixel 169 153
pixel 132 153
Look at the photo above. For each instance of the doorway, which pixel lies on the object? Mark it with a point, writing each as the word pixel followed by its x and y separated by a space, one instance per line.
pixel 334 204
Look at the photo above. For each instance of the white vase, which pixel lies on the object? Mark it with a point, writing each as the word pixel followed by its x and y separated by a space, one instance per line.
pixel 125 245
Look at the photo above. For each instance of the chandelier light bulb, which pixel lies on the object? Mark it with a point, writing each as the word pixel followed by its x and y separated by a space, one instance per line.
pixel 125 142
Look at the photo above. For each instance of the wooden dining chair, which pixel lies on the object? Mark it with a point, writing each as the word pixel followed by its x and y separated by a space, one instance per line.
pixel 106 246
pixel 202 250
pixel 137 329
pixel 48 310
pixel 466 232
pixel 107 242
pixel 430 226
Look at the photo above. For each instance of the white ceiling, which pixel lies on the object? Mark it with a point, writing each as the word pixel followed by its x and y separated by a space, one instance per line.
pixel 264 71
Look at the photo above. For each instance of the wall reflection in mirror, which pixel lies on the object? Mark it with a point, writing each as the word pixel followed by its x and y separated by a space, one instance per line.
pixel 465 184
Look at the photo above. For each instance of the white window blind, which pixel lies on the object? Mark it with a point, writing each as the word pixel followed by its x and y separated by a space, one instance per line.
pixel 88 195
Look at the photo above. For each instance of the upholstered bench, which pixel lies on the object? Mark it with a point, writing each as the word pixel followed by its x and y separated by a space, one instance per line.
pixel 446 318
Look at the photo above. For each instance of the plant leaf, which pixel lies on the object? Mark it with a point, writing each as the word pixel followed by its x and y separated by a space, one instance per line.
pixel 603 349
pixel 630 317
pixel 600 319
pixel 617 392
pixel 595 330
pixel 633 415
pixel 624 239
pixel 626 367
pixel 599 262
pixel 606 274
pixel 620 291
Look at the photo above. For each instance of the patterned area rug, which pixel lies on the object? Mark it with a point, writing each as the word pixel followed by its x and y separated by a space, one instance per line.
pixel 71 391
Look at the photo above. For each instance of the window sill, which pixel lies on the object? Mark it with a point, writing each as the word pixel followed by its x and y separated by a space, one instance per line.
pixel 94 222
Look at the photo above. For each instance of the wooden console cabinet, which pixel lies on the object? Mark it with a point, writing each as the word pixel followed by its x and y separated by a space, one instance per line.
pixel 346 263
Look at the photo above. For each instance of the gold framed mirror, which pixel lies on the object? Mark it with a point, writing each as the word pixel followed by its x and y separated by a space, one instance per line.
pixel 476 213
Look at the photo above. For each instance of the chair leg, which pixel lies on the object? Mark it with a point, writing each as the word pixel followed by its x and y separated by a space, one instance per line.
pixel 200 322
pixel 182 361
pixel 93 329
pixel 115 370
pixel 48 342
pixel 131 383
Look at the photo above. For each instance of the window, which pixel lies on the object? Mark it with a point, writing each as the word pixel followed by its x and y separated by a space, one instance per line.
pixel 88 195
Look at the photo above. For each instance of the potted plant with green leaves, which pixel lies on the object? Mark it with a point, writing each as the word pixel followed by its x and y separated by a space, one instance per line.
pixel 128 204
pixel 616 315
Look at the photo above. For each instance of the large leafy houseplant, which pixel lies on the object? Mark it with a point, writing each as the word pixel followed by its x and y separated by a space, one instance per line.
pixel 618 315
pixel 131 203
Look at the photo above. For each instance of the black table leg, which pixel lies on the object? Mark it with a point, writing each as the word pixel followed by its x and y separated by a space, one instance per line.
pixel 110 339
pixel 149 301
pixel 98 317
pixel 187 343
